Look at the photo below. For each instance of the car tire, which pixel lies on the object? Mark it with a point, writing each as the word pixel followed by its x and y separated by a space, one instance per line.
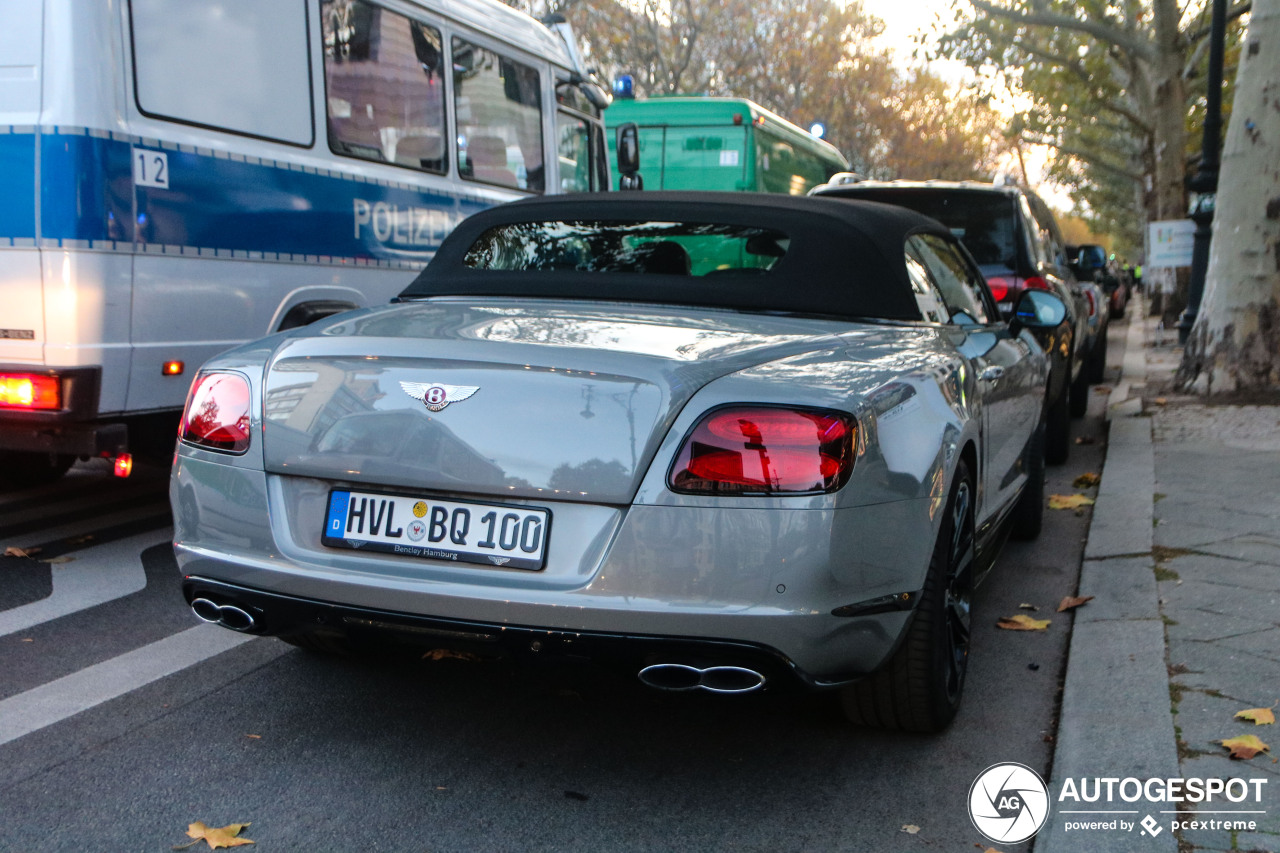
pixel 1078 393
pixel 1057 439
pixel 919 689
pixel 1097 362
pixel 23 470
pixel 1028 513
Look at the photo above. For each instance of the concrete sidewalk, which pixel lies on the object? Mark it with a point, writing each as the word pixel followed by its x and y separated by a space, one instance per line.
pixel 1183 558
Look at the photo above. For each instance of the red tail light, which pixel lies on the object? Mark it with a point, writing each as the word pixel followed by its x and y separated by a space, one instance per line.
pixel 30 391
pixel 760 450
pixel 217 413
pixel 999 287
pixel 1036 283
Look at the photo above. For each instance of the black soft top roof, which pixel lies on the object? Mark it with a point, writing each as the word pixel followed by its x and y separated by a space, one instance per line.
pixel 845 257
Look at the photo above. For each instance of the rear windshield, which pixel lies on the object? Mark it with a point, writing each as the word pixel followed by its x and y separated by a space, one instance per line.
pixel 665 248
pixel 984 222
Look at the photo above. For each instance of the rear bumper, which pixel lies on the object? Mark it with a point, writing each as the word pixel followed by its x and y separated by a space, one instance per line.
pixel 283 615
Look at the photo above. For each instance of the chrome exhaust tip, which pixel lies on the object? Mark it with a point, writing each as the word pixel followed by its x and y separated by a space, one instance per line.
pixel 681 677
pixel 226 615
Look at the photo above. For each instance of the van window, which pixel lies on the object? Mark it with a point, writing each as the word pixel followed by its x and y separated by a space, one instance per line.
pixel 384 84
pixel 574 141
pixel 237 65
pixel 498 103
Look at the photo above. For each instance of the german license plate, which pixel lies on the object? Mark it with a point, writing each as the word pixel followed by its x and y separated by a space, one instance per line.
pixel 491 535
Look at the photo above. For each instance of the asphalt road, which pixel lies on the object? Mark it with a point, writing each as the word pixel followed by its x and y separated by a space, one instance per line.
pixel 123 719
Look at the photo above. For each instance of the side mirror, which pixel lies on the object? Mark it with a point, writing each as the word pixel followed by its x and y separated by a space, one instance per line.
pixel 629 157
pixel 1037 309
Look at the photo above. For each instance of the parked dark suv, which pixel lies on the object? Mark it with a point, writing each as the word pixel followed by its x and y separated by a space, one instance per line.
pixel 1014 238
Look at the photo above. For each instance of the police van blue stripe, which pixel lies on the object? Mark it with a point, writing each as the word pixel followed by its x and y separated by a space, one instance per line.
pixel 216 204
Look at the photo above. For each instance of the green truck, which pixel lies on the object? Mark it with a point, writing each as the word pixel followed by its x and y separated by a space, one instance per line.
pixel 727 144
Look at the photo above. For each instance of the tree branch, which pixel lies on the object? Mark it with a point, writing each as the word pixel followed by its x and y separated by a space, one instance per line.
pixel 1232 13
pixel 1044 18
pixel 1094 160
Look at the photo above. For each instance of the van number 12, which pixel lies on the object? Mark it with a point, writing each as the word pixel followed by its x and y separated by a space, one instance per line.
pixel 150 168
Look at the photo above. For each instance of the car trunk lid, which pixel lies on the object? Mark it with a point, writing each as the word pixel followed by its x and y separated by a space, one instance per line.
pixel 519 399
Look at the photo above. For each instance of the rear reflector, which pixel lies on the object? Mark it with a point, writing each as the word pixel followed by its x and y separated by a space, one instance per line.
pixel 217 413
pixel 30 391
pixel 749 450
pixel 123 465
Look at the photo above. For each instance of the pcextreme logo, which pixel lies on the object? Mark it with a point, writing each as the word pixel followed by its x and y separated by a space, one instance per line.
pixel 1010 803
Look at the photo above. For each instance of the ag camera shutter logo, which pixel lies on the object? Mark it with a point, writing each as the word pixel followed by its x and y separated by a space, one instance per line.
pixel 1008 803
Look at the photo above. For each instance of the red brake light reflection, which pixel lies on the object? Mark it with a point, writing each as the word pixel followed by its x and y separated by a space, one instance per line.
pixel 750 450
pixel 217 414
pixel 1037 283
pixel 30 391
pixel 999 288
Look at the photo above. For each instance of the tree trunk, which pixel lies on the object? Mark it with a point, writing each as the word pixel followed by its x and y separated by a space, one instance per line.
pixel 1235 344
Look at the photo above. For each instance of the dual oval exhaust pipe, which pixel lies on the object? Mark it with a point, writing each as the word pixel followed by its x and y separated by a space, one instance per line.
pixel 226 615
pixel 713 679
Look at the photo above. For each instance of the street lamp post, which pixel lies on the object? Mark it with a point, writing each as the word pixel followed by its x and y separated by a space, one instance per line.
pixel 1204 184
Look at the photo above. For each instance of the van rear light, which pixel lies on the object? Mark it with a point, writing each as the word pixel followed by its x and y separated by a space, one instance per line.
pixel 30 391
pixel 217 413
pixel 1036 283
pixel 759 450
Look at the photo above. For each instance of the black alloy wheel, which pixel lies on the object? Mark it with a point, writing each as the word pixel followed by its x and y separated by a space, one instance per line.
pixel 919 689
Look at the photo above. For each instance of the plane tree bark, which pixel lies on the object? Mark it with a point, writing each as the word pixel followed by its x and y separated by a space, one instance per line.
pixel 1235 343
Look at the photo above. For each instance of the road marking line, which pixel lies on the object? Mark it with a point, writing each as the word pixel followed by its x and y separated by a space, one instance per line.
pixel 97 575
pixel 67 696
pixel 83 526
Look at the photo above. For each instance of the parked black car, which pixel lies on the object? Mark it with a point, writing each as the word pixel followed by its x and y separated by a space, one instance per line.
pixel 1018 245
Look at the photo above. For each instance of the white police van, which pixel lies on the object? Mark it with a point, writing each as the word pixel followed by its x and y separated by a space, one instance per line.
pixel 179 176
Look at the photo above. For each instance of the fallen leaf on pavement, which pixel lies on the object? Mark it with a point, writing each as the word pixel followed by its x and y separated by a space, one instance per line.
pixel 1023 622
pixel 1087 480
pixel 1086 439
pixel 1071 602
pixel 13 551
pixel 1069 501
pixel 1102 389
pixel 910 828
pixel 1160 401
pixel 63 559
pixel 215 837
pixel 1025 606
pixel 1245 746
pixel 1258 716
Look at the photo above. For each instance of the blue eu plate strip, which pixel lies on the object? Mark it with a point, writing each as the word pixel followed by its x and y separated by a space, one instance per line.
pixel 338 502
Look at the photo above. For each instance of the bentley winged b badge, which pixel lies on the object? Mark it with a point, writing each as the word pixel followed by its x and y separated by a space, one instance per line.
pixel 435 396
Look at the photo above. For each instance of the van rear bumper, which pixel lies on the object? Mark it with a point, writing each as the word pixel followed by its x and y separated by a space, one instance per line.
pixel 70 429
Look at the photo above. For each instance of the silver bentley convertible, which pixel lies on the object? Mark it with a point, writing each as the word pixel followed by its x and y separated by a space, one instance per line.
pixel 731 442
